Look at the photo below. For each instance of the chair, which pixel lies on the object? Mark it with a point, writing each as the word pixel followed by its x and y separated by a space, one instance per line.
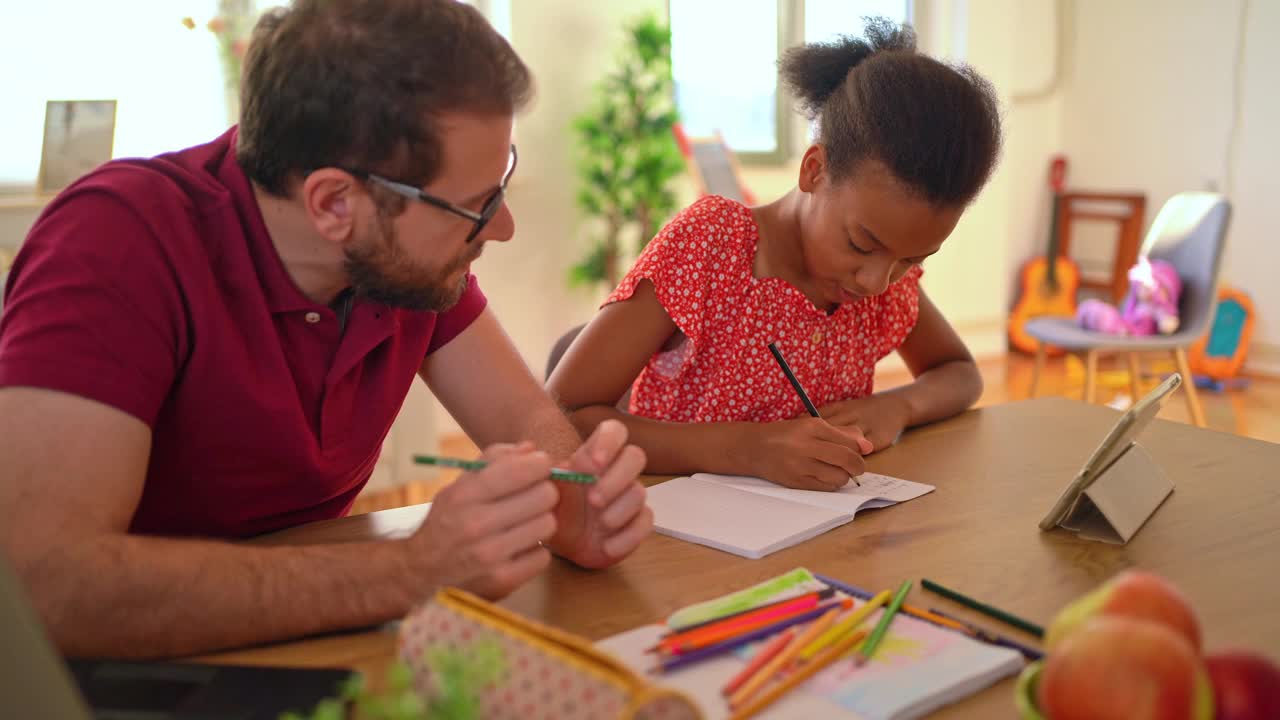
pixel 1190 233
pixel 558 350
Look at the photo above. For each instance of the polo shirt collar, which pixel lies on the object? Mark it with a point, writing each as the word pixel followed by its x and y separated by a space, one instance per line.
pixel 282 295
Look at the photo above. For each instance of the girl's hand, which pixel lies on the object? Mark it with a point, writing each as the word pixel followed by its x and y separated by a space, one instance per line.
pixel 806 453
pixel 881 418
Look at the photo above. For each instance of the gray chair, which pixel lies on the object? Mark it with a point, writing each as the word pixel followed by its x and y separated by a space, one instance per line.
pixel 1190 233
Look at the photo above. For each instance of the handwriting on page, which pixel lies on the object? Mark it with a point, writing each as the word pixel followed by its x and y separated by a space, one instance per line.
pixel 875 484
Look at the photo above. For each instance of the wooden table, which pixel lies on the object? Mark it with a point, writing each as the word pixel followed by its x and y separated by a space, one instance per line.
pixel 997 471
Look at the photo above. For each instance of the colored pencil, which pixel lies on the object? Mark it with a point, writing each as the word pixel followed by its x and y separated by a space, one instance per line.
pixel 699 655
pixel 762 656
pixel 985 609
pixel 473 465
pixel 869 647
pixel 845 624
pixel 793 680
pixel 931 616
pixel 712 635
pixel 981 633
pixel 822 594
pixel 795 383
pixel 675 640
pixel 774 666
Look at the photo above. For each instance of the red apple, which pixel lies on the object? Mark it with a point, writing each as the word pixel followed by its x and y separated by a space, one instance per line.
pixel 1117 668
pixel 1135 594
pixel 1246 686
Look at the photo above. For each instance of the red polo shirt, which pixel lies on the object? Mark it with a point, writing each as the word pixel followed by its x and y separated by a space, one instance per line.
pixel 153 286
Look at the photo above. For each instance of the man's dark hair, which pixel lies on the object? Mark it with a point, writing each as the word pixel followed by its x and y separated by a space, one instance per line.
pixel 361 83
pixel 935 126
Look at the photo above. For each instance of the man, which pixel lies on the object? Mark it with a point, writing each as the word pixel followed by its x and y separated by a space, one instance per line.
pixel 214 343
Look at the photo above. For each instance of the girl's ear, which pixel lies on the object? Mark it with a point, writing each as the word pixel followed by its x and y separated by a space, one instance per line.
pixel 813 168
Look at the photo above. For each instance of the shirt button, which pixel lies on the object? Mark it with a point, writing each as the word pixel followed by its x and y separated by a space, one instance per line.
pixel 817 337
pixel 313 317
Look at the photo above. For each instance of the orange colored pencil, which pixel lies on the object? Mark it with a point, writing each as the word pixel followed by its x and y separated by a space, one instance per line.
pixel 730 632
pixel 803 673
pixel 717 630
pixel 768 651
pixel 782 659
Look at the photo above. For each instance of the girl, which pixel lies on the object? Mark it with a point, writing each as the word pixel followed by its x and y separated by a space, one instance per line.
pixel 830 272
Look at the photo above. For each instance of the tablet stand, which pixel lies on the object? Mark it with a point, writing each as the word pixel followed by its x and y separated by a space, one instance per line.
pixel 1120 499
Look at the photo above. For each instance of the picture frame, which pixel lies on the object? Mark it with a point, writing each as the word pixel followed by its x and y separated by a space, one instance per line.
pixel 79 135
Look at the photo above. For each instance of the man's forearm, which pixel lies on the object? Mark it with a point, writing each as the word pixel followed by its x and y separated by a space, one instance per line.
pixel 550 430
pixel 132 596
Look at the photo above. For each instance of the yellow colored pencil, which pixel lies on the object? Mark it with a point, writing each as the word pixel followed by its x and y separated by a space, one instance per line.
pixel 782 659
pixel 844 626
pixel 805 672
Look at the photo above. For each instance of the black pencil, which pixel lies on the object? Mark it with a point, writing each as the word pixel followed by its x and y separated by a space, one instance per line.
pixel 795 383
pixel 786 370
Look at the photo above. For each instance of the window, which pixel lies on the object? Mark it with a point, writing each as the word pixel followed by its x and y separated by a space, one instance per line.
pixel 724 60
pixel 167 79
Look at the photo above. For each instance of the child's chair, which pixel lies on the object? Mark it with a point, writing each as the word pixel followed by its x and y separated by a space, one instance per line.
pixel 1190 232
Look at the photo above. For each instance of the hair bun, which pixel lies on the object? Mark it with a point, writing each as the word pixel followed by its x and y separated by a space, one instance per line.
pixel 814 71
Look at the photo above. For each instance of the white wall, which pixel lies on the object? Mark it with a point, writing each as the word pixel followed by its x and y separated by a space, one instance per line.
pixel 1149 106
pixel 1141 102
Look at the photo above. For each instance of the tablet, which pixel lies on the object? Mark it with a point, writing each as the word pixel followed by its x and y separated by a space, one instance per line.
pixel 1122 435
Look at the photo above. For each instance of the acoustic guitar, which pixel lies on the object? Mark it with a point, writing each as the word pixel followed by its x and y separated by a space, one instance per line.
pixel 1048 284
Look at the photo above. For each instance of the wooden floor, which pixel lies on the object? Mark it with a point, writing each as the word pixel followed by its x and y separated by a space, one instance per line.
pixel 1252 412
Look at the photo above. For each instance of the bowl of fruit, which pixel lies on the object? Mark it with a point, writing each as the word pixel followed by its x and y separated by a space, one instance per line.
pixel 1132 650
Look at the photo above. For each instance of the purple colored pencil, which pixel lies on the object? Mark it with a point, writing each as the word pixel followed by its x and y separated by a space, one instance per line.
pixel 720 648
pixel 994 638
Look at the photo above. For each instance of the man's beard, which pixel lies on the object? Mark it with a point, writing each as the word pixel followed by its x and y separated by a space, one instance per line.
pixel 380 271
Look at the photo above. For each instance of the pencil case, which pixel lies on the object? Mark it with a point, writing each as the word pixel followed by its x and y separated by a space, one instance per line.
pixel 483 661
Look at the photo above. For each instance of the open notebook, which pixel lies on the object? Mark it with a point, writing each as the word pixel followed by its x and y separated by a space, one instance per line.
pixel 753 517
pixel 917 669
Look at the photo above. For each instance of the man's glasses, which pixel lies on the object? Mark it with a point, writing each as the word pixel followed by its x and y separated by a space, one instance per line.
pixel 482 218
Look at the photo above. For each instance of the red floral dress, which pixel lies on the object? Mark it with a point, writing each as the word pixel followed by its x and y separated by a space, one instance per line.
pixel 701 267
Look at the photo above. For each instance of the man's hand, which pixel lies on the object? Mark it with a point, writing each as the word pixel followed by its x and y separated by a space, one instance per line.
pixel 881 418
pixel 602 523
pixel 485 530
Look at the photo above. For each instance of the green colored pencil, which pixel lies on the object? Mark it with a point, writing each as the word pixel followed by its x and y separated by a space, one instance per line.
pixel 984 608
pixel 882 627
pixel 556 473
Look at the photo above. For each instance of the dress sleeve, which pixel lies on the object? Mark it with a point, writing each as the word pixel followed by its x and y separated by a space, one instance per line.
pixel 678 263
pixel 899 311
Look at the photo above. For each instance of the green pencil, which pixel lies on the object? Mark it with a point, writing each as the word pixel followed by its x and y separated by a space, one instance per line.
pixel 556 473
pixel 882 627
pixel 985 609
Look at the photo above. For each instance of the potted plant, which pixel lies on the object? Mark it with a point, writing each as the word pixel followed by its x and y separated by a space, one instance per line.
pixel 628 154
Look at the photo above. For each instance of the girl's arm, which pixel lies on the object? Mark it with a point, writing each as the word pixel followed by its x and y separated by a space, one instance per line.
pixel 947 382
pixel 609 354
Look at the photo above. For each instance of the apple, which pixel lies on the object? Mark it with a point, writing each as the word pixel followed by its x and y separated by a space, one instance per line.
pixel 1131 593
pixel 1119 668
pixel 1246 686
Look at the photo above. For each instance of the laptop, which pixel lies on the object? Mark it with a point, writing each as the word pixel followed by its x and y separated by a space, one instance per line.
pixel 36 683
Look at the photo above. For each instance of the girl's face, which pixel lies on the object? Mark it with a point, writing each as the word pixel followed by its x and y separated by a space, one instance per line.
pixel 862 233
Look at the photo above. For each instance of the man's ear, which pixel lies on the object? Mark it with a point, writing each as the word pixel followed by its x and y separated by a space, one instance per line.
pixel 813 168
pixel 330 197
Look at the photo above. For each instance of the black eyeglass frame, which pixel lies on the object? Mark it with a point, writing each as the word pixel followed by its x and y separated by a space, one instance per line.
pixel 481 219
